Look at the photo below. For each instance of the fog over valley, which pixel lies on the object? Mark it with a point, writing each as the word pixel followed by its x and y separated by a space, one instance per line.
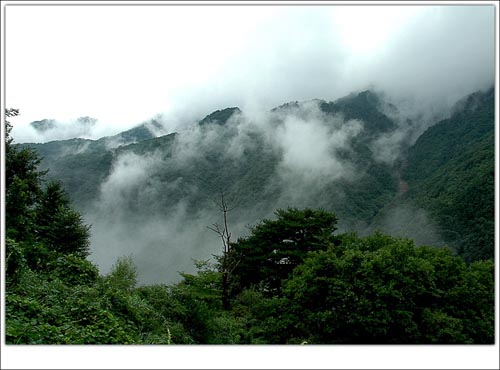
pixel 330 100
pixel 154 198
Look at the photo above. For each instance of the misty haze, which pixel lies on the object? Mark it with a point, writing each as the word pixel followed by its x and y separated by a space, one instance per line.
pixel 251 175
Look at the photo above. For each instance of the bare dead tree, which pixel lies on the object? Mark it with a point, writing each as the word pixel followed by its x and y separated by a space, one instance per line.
pixel 227 263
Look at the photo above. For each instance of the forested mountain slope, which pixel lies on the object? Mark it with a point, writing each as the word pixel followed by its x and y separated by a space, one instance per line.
pixel 450 172
pixel 83 164
pixel 295 275
pixel 438 191
pixel 241 159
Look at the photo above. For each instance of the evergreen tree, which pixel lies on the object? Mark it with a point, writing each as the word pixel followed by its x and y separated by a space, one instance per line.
pixel 23 182
pixel 58 226
pixel 276 247
pixel 41 218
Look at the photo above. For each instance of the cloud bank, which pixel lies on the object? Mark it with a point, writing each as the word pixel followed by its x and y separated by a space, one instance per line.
pixel 183 62
pixel 157 206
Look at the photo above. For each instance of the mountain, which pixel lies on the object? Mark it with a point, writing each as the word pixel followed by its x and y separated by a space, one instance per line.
pixel 43 125
pixel 156 194
pixel 81 126
pixel 82 165
pixel 450 172
pixel 220 116
pixel 366 106
pixel 142 132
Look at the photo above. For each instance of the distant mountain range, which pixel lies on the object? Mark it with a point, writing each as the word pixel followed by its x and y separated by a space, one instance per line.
pixel 315 153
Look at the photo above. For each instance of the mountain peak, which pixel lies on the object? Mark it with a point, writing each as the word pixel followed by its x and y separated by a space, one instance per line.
pixel 43 125
pixel 220 116
pixel 287 106
pixel 472 101
pixel 366 98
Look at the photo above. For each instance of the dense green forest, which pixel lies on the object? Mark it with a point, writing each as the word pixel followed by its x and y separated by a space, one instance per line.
pixel 450 172
pixel 295 278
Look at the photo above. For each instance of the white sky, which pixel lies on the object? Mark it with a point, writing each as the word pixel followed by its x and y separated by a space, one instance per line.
pixel 126 64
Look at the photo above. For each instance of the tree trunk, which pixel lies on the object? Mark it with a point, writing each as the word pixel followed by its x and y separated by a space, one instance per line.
pixel 225 291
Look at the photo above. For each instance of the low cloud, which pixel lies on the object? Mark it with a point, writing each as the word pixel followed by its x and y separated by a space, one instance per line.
pixel 431 55
pixel 404 220
pixel 309 145
pixel 149 206
pixel 47 130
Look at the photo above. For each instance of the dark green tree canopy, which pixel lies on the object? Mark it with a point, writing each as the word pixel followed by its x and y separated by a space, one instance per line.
pixel 276 247
pixel 451 174
pixel 38 214
pixel 23 184
pixel 59 226
pixel 381 289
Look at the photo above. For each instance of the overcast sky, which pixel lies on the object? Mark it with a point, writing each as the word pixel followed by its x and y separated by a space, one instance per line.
pixel 126 64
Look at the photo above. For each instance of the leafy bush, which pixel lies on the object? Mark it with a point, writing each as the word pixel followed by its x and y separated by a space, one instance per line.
pixel 73 270
pixel 380 289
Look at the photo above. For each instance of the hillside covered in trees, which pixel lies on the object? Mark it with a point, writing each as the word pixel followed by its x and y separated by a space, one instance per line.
pixel 307 270
pixel 450 172
pixel 358 157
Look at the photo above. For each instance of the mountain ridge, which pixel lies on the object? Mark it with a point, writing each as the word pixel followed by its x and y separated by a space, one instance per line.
pixel 308 154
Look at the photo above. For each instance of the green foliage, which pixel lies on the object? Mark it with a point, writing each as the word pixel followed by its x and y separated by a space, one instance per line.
pixel 39 219
pixel 347 289
pixel 451 174
pixel 220 116
pixel 22 187
pixel 473 300
pixel 69 303
pixel 49 203
pixel 123 275
pixel 73 270
pixel 42 309
pixel 38 256
pixel 15 260
pixel 53 294
pixel 193 311
pixel 384 290
pixel 276 247
pixel 261 316
pixel 58 226
pixel 363 106
pixel 172 313
pixel 198 300
pixel 204 285
pixel 151 312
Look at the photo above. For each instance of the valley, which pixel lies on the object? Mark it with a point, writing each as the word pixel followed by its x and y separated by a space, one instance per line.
pixel 155 195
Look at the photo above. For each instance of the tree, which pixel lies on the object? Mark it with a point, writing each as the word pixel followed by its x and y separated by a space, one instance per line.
pixel 59 226
pixel 123 274
pixel 23 182
pixel 276 247
pixel 385 290
pixel 227 264
pixel 9 112
pixel 43 218
pixel 53 294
